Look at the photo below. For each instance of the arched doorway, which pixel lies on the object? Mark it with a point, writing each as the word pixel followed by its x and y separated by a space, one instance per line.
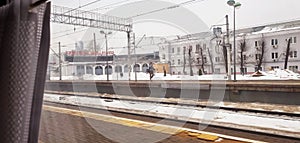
pixel 99 70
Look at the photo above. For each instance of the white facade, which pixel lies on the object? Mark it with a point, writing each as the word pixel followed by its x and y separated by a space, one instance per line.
pixel 176 53
pixel 275 37
pixel 141 56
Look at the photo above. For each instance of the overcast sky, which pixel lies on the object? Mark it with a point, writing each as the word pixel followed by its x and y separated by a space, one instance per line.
pixel 211 12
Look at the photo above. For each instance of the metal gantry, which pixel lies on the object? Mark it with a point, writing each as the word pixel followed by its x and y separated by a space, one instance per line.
pixel 65 15
pixel 72 16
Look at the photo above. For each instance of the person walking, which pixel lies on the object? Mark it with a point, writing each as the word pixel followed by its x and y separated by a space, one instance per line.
pixel 151 70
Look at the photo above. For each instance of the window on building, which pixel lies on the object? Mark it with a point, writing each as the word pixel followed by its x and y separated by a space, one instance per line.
pixel 293 54
pixel 99 70
pixel 274 42
pixel 275 67
pixel 173 50
pixel 293 68
pixel 293 40
pixel 197 48
pixel 217 70
pixel 80 70
pixel 257 56
pixel 198 60
pixel 256 43
pixel 217 59
pixel 217 49
pixel 275 55
pixel 89 70
pixel 191 48
pixel 178 50
pixel 244 57
pixel 205 59
pixel 204 47
pixel 163 57
pixel 178 62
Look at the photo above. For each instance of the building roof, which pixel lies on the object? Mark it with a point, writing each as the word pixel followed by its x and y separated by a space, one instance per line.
pixel 274 27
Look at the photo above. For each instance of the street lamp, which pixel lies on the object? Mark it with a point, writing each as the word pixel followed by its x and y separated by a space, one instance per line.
pixel 106 51
pixel 235 5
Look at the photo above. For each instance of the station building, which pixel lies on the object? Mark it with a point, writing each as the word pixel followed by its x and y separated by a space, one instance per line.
pixel 80 62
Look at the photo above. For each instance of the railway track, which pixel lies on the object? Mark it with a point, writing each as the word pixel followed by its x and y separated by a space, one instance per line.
pixel 202 106
pixel 265 137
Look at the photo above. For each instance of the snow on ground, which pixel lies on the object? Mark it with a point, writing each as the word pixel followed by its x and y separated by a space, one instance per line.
pixel 212 115
pixel 276 74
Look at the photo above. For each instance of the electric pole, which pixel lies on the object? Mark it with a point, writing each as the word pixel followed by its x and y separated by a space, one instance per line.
pixel 59 58
pixel 228 49
pixel 95 45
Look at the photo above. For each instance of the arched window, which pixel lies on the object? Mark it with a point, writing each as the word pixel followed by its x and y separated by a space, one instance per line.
pixel 109 70
pixel 118 69
pixel 99 70
pixel 89 70
pixel 80 70
pixel 144 67
pixel 137 68
pixel 163 56
pixel 126 69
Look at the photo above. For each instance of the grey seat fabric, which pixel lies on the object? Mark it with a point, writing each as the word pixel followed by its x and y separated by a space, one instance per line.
pixel 24 47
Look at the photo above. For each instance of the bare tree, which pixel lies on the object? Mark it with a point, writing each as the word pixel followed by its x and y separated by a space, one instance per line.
pixel 190 61
pixel 287 53
pixel 243 49
pixel 261 56
pixel 225 54
pixel 211 61
pixel 202 60
pixel 184 60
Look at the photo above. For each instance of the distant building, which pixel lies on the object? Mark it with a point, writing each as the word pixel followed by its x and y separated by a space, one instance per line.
pixel 79 45
pixel 207 50
pixel 188 53
pixel 82 62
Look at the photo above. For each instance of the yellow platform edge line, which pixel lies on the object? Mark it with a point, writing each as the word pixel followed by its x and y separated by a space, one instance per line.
pixel 145 125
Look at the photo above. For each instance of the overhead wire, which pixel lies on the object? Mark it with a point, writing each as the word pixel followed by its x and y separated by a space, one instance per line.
pixel 158 10
pixel 109 6
pixel 166 8
pixel 93 2
pixel 153 11
pixel 69 33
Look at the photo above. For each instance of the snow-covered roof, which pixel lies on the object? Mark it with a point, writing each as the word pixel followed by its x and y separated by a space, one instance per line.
pixel 276 27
